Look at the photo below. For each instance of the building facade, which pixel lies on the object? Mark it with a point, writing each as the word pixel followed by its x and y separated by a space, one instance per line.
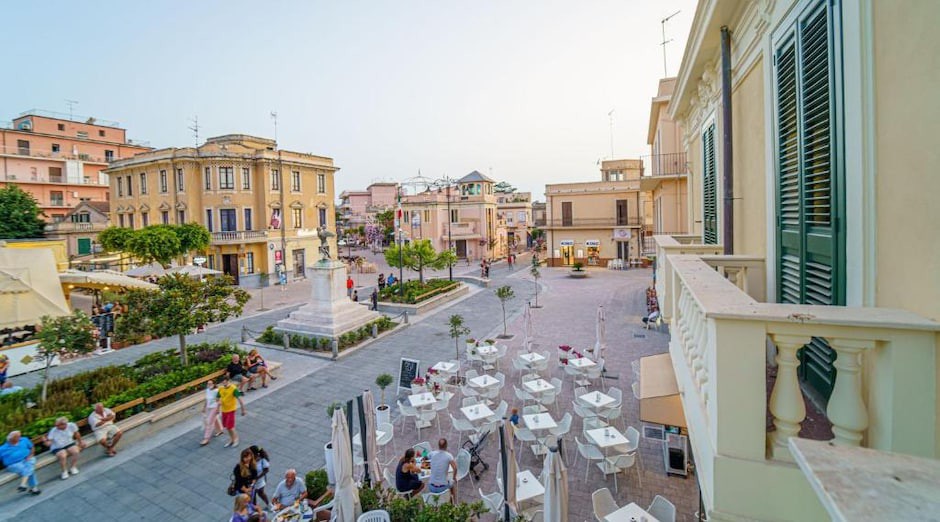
pixel 594 222
pixel 59 158
pixel 514 217
pixel 80 228
pixel 262 205
pixel 358 207
pixel 810 301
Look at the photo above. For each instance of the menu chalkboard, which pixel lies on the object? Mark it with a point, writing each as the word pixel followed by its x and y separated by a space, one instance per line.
pixel 407 371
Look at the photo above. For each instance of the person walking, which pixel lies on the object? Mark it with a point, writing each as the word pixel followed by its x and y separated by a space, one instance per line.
pixel 230 397
pixel 381 281
pixel 246 473
pixel 210 413
pixel 263 466
pixel 375 300
pixel 349 286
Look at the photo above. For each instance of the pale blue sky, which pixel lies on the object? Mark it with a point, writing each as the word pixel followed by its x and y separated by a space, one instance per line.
pixel 385 88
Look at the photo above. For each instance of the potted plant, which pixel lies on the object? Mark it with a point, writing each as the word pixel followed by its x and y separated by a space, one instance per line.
pixel 578 271
pixel 490 342
pixel 383 414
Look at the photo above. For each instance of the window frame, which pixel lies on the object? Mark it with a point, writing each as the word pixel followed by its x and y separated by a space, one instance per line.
pixel 226 177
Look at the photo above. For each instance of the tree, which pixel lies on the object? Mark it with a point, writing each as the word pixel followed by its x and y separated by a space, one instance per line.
pixel 504 293
pixel 383 381
pixel 155 243
pixel 534 270
pixel 386 219
pixel 456 328
pixel 115 239
pixel 418 255
pixel 19 214
pixel 183 304
pixel 193 237
pixel 63 335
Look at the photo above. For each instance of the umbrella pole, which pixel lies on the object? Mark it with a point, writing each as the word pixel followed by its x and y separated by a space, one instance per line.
pixel 363 437
pixel 505 467
pixel 349 420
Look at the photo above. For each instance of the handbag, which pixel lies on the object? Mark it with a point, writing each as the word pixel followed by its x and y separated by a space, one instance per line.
pixel 231 487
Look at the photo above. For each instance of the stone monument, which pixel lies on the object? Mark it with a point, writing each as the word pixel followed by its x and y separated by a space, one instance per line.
pixel 330 312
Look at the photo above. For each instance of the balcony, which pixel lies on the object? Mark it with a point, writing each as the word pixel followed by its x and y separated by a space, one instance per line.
pixel 593 222
pixel 12 150
pixel 735 360
pixel 673 164
pixel 457 231
pixel 69 226
pixel 239 236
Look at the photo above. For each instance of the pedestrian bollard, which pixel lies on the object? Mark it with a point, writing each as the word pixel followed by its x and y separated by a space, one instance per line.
pixel 335 349
pixel 404 317
pixel 375 331
pixel 286 341
pixel 244 334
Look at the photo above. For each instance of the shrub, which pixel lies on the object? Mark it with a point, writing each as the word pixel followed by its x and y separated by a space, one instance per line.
pixel 416 291
pixel 269 336
pixel 316 482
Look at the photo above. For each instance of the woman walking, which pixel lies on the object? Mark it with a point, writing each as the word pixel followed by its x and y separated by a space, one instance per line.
pixel 246 474
pixel 210 414
pixel 263 465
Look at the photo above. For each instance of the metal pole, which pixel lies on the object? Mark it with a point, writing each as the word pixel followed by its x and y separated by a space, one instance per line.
pixel 401 257
pixel 505 466
pixel 280 185
pixel 727 169
pixel 363 433
pixel 450 242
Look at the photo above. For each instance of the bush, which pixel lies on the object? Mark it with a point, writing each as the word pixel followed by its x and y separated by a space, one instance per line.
pixel 269 336
pixel 416 291
pixel 316 482
pixel 413 509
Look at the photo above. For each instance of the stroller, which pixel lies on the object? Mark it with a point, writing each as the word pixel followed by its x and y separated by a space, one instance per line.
pixel 476 454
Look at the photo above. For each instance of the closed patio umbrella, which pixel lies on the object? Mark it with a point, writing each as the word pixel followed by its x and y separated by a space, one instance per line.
pixel 555 480
pixel 527 327
pixel 371 445
pixel 512 467
pixel 346 506
pixel 600 332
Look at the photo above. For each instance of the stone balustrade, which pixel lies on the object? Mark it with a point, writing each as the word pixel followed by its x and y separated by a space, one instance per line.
pixel 238 236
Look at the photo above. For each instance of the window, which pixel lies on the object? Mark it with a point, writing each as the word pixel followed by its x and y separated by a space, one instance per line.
pixel 427 216
pixel 454 216
pixel 120 220
pixel 295 181
pixel 275 180
pixel 211 261
pixel 226 178
pixel 56 198
pixel 101 133
pixel 709 187
pixel 297 217
pixel 622 211
pixel 250 262
pixel 163 182
pixel 248 224
pixel 144 219
pixel 521 216
pixel 321 183
pixel 81 217
pixel 165 217
pixel 179 180
pixel 109 156
pixel 227 221
pixel 209 219
pixel 180 216
pixel 130 189
pixel 55 175
pixel 82 134
pixel 58 218
pixel 61 126
pixel 246 178
pixel 322 215
pixel 55 148
pixel 143 182
pixel 208 177
pixel 130 220
pixel 22 147
pixel 84 246
pixel 566 218
pixel 120 186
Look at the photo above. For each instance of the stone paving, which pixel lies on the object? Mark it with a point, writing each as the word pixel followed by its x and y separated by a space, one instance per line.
pixel 169 477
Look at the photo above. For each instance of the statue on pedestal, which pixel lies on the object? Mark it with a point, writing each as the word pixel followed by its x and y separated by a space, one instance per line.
pixel 324 235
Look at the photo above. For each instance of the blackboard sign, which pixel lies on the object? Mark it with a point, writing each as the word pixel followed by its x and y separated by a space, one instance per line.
pixel 407 371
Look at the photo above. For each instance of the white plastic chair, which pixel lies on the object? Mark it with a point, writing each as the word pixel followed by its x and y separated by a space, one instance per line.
pixel 662 509
pixel 422 447
pixel 592 423
pixel 424 419
pixel 462 426
pixel 611 414
pixel 436 499
pixel 604 504
pixel 589 452
pixel 469 391
pixel 633 435
pixel 463 465
pixel 376 515
pixel 524 435
pixel 406 411
pixel 468 401
pixel 390 482
pixel 493 501
pixel 500 411
pixel 636 389
pixel 614 465
pixel 582 411
pixel 563 427
pixel 617 395
pixel 522 395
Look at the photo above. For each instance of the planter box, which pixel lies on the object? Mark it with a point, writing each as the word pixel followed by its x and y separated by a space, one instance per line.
pixel 424 306
pixel 578 274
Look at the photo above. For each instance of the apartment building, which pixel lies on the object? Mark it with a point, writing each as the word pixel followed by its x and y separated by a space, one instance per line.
pixel 597 221
pixel 262 205
pixel 357 207
pixel 462 216
pixel 803 309
pixel 60 158
pixel 80 228
pixel 514 217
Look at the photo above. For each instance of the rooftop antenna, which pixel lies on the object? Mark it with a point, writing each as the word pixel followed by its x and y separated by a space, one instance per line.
pixel 665 41
pixel 195 128
pixel 71 104
pixel 610 116
pixel 274 117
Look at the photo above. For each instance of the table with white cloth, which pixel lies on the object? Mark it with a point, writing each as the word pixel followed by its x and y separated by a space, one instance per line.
pixel 630 513
pixel 420 400
pixel 531 357
pixel 537 387
pixel 488 354
pixel 477 412
pixel 483 381
pixel 444 367
pixel 606 438
pixel 536 422
pixel 582 364
pixel 487 350
pixel 596 400
pixel 527 486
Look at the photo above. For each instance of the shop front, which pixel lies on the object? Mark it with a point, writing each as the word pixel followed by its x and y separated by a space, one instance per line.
pixel 566 248
pixel 593 247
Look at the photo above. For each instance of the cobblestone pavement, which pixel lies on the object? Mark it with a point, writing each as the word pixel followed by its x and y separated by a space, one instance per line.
pixel 169 477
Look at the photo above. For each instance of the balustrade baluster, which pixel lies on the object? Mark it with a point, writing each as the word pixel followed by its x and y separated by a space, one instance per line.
pixel 786 399
pixel 846 409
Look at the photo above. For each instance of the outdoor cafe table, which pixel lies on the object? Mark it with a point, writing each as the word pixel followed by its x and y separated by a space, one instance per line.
pixel 476 412
pixel 606 438
pixel 483 381
pixel 596 400
pixel 539 421
pixel 420 400
pixel 581 364
pixel 630 513
pixel 444 367
pixel 357 439
pixel 487 350
pixel 538 386
pixel 531 357
pixel 527 486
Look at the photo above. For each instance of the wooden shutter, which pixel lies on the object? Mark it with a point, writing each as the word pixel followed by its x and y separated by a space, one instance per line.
pixel 709 187
pixel 810 263
pixel 566 213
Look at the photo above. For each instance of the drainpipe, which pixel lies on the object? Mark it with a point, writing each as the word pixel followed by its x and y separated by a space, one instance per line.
pixel 727 169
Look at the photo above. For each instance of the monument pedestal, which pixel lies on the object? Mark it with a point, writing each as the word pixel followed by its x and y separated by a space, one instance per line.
pixel 330 312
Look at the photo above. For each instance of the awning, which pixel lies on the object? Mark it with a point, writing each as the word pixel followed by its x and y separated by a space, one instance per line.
pixel 28 287
pixel 659 393
pixel 101 279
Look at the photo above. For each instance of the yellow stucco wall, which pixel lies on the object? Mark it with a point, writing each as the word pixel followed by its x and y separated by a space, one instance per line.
pixel 58 247
pixel 907 184
pixel 750 176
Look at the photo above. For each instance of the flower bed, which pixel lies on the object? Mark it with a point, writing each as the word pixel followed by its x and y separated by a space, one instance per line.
pixel 416 291
pixel 114 386
pixel 325 344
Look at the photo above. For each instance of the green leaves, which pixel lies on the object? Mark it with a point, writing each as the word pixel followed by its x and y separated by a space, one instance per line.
pixel 67 334
pixel 160 243
pixel 418 255
pixel 19 214
pixel 114 239
pixel 505 293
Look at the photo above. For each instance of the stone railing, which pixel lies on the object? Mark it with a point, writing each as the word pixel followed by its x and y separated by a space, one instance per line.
pixel 884 397
pixel 238 236
pixel 675 245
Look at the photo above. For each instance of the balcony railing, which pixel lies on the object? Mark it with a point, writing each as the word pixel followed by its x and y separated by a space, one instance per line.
pixel 12 150
pixel 239 236
pixel 673 164
pixel 594 222
pixel 724 344
pixel 69 226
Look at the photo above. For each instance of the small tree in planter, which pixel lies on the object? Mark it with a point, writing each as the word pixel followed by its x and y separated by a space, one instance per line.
pixel 62 335
pixel 536 273
pixel 504 293
pixel 456 328
pixel 382 413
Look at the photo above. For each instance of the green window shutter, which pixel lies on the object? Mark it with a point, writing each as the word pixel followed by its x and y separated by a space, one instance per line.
pixel 709 187
pixel 84 246
pixel 811 268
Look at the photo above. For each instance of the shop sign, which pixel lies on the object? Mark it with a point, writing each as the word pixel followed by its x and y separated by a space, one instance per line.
pixel 622 234
pixel 199 260
pixel 592 242
pixel 566 242
pixel 278 256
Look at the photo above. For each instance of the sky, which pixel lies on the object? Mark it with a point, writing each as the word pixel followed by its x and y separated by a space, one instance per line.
pixel 517 89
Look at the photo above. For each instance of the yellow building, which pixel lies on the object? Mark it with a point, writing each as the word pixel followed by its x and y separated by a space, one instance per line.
pixel 596 221
pixel 819 279
pixel 261 204
pixel 514 217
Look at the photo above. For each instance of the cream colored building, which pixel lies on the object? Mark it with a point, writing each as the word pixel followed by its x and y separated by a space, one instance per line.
pixel 261 204
pixel 597 221
pixel 832 282
pixel 358 206
pixel 80 228
pixel 514 216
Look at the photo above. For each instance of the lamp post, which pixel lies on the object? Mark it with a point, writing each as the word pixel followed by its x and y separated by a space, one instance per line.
pixel 399 215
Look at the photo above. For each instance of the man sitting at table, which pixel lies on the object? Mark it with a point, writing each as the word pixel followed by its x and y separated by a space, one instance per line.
pixel 441 463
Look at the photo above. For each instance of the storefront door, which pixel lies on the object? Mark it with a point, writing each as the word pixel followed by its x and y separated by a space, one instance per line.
pixel 567 255
pixel 230 266
pixel 299 263
pixel 461 247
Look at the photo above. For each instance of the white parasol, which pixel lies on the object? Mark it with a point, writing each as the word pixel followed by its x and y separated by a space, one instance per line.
pixel 555 479
pixel 371 445
pixel 346 506
pixel 600 332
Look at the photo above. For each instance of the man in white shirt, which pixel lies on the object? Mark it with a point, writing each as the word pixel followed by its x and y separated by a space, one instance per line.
pixel 101 422
pixel 288 491
pixel 441 463
pixel 65 442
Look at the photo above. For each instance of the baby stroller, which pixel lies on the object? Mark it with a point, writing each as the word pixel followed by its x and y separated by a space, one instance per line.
pixel 476 454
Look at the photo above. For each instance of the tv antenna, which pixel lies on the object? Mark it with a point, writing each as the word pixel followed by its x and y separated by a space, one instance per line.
pixel 610 116
pixel 665 41
pixel 195 128
pixel 274 117
pixel 71 104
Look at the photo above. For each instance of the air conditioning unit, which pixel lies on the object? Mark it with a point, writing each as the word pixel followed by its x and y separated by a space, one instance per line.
pixel 75 194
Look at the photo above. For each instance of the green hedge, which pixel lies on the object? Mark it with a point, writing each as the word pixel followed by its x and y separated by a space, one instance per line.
pixel 416 291
pixel 324 344
pixel 74 396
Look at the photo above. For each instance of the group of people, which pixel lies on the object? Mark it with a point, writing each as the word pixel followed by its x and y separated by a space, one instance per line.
pixel 249 479
pixel 223 398
pixel 64 440
pixel 408 472
pixel 383 282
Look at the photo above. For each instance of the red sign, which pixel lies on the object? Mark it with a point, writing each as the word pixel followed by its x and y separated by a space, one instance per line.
pixel 278 256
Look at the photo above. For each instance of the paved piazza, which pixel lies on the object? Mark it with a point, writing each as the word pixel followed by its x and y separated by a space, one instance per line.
pixel 169 477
